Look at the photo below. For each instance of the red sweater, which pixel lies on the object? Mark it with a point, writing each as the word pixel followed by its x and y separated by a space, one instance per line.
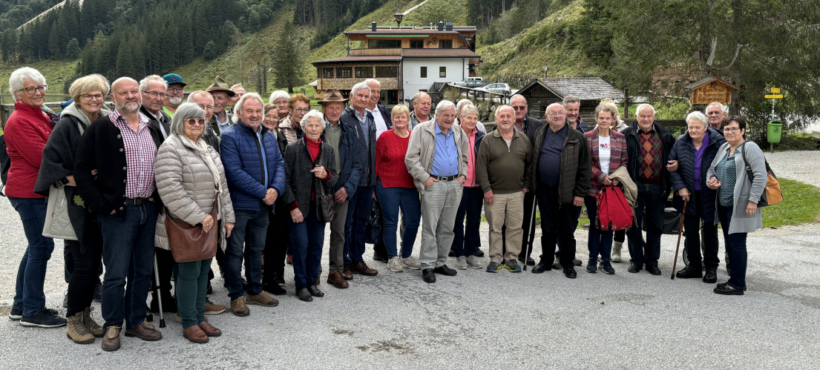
pixel 390 168
pixel 26 134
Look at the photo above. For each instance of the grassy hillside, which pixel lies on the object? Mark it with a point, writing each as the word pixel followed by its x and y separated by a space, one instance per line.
pixel 55 72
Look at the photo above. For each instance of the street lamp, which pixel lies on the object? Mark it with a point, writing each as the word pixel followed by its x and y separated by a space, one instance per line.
pixel 398 16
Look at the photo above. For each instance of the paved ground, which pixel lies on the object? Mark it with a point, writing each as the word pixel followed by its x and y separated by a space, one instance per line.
pixel 482 320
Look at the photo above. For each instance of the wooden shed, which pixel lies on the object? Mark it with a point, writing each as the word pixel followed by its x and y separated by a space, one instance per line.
pixel 591 90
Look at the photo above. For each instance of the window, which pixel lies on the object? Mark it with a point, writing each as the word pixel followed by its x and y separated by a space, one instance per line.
pixel 442 72
pixel 423 72
pixel 327 72
pixel 385 44
pixel 445 44
pixel 387 71
pixel 345 72
pixel 416 44
pixel 364 72
pixel 392 97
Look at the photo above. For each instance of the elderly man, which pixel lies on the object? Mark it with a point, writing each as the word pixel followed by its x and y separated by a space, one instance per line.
pixel 648 145
pixel 357 117
pixel 221 94
pixel 715 112
pixel 572 104
pixel 561 177
pixel 256 177
pixel 437 160
pixel 238 90
pixel 114 171
pixel 421 109
pixel 175 93
pixel 346 147
pixel 503 172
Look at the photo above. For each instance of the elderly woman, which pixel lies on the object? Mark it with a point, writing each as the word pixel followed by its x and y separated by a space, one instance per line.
pixel 618 125
pixel 278 236
pixel 57 171
pixel 289 126
pixel 460 112
pixel 26 134
pixel 396 189
pixel 280 99
pixel 607 153
pixel 308 162
pixel 191 181
pixel 737 197
pixel 466 242
pixel 694 151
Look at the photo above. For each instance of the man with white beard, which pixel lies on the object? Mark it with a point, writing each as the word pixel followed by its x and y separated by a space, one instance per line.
pixel 175 93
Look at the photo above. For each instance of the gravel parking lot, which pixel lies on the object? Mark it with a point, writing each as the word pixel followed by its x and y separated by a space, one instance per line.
pixel 477 319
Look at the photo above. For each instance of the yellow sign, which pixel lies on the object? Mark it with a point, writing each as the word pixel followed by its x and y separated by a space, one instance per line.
pixel 774 96
pixel 775 90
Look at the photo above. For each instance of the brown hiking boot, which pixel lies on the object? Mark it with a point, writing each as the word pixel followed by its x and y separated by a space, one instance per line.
pixel 239 308
pixel 213 309
pixel 76 331
pixel 261 299
pixel 347 273
pixel 337 280
pixel 195 334
pixel 144 331
pixel 111 340
pixel 91 325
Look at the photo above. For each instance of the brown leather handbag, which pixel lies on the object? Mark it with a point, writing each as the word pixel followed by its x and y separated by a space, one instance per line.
pixel 190 243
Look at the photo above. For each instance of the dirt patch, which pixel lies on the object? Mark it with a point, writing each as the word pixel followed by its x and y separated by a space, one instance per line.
pixel 349 333
pixel 4 310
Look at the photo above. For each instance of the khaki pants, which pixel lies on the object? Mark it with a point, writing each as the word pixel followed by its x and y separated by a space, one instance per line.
pixel 439 204
pixel 337 238
pixel 509 209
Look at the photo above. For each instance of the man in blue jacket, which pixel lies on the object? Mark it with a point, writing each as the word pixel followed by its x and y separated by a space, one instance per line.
pixel 256 177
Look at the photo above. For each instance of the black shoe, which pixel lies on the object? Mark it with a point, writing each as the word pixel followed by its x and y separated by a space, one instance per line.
pixel 710 277
pixel 43 319
pixel 530 261
pixel 570 273
pixel 452 253
pixel 724 284
pixel 444 270
pixel 726 289
pixel 478 253
pixel 690 272
pixel 654 270
pixel 557 265
pixel 428 276
pixel 279 281
pixel 314 291
pixel 274 289
pixel 577 262
pixel 16 313
pixel 592 266
pixel 634 268
pixel 380 257
pixel 606 267
pixel 541 267
pixel 210 289
pixel 304 295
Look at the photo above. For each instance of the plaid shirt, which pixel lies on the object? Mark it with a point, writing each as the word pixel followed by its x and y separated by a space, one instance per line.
pixel 140 152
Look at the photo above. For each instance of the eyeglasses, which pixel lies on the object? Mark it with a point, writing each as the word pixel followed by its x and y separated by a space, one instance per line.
pixel 520 108
pixel 175 89
pixel 32 89
pixel 195 121
pixel 155 94
pixel 92 96
pixel 301 110
pixel 731 129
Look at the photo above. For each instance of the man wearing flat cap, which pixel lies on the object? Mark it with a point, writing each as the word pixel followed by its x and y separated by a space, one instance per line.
pixel 222 98
pixel 175 93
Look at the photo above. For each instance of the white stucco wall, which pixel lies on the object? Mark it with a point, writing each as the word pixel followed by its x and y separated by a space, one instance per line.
pixel 457 70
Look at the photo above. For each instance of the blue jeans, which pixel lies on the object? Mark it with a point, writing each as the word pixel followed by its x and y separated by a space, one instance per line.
pixel 358 213
pixel 466 242
pixel 650 210
pixel 248 236
pixel 31 274
pixel 128 253
pixel 600 242
pixel 736 246
pixel 408 199
pixel 307 238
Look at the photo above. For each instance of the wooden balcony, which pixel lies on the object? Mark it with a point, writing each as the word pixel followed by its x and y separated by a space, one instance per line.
pixel 374 52
pixel 347 83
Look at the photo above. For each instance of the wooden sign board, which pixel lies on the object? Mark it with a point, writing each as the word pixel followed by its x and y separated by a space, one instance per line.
pixel 715 91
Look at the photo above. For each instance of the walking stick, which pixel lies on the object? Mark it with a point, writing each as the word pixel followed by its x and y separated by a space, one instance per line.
pixel 680 229
pixel 532 234
pixel 159 296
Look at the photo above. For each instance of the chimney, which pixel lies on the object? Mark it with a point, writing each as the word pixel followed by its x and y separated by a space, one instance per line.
pixel 440 26
pixel 373 26
pixel 449 25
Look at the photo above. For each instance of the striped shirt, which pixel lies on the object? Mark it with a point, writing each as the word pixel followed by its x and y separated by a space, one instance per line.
pixel 140 152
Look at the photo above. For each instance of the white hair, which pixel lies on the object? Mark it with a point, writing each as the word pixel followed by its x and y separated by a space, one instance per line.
pixel 698 116
pixel 184 112
pixel 497 111
pixel 642 106
pixel 470 109
pixel 153 78
pixel 373 81
pixel 278 94
pixel 462 103
pixel 194 94
pixel 237 85
pixel 570 99
pixel 20 75
pixel 444 105
pixel 359 86
pixel 723 108
pixel 241 102
pixel 313 114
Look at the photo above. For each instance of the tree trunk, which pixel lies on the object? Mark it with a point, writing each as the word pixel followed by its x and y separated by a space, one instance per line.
pixel 737 18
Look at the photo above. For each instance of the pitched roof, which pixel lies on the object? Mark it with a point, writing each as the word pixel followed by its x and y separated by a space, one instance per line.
pixel 586 88
pixel 439 53
pixel 696 84
pixel 411 31
pixel 348 59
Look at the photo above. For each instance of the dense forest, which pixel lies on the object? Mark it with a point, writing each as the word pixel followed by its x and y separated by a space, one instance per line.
pixel 331 16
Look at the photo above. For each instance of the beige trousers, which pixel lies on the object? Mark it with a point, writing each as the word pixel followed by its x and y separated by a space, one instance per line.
pixel 509 209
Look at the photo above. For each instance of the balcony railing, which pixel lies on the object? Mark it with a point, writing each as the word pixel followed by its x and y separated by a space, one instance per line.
pixel 374 52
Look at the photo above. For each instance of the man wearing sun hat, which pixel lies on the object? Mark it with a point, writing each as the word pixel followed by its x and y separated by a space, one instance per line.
pixel 175 93
pixel 222 98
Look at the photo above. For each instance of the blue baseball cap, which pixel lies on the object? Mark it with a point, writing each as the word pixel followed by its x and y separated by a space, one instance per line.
pixel 173 78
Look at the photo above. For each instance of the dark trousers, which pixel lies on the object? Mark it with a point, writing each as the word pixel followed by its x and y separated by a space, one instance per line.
pixel 31 274
pixel 391 200
pixel 736 246
pixel 466 240
pixel 128 254
pixel 528 237
pixel 192 284
pixel 600 242
pixel 691 223
pixel 556 219
pixel 308 238
pixel 620 236
pixel 276 245
pixel 248 240
pixel 358 212
pixel 165 269
pixel 85 257
pixel 649 210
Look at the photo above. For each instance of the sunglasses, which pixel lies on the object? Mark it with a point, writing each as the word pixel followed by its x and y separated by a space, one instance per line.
pixel 195 121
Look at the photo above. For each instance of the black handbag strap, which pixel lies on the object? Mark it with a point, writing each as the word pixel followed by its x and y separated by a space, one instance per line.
pixel 749 173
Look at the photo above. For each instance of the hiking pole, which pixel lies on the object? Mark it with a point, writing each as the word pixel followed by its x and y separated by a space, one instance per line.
pixel 532 234
pixel 159 296
pixel 680 229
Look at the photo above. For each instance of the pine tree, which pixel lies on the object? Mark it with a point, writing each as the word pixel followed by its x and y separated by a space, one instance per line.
pixel 211 51
pixel 287 64
pixel 72 50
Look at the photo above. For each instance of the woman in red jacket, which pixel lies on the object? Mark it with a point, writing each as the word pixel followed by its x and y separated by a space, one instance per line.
pixel 26 134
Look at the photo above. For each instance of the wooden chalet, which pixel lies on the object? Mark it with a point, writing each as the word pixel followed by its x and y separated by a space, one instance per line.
pixel 591 90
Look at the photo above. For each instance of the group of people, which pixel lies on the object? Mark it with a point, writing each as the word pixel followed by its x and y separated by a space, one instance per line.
pixel 269 177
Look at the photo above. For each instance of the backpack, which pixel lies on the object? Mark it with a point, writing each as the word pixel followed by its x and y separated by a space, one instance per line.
pixel 614 212
pixel 772 193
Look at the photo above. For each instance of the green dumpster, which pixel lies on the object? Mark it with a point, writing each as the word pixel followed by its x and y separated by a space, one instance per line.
pixel 775 130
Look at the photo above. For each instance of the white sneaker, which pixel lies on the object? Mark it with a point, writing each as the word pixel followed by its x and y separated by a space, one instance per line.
pixel 475 262
pixel 461 263
pixel 411 263
pixel 395 265
pixel 616 252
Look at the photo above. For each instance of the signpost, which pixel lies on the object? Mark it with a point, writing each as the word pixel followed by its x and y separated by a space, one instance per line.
pixel 775 128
